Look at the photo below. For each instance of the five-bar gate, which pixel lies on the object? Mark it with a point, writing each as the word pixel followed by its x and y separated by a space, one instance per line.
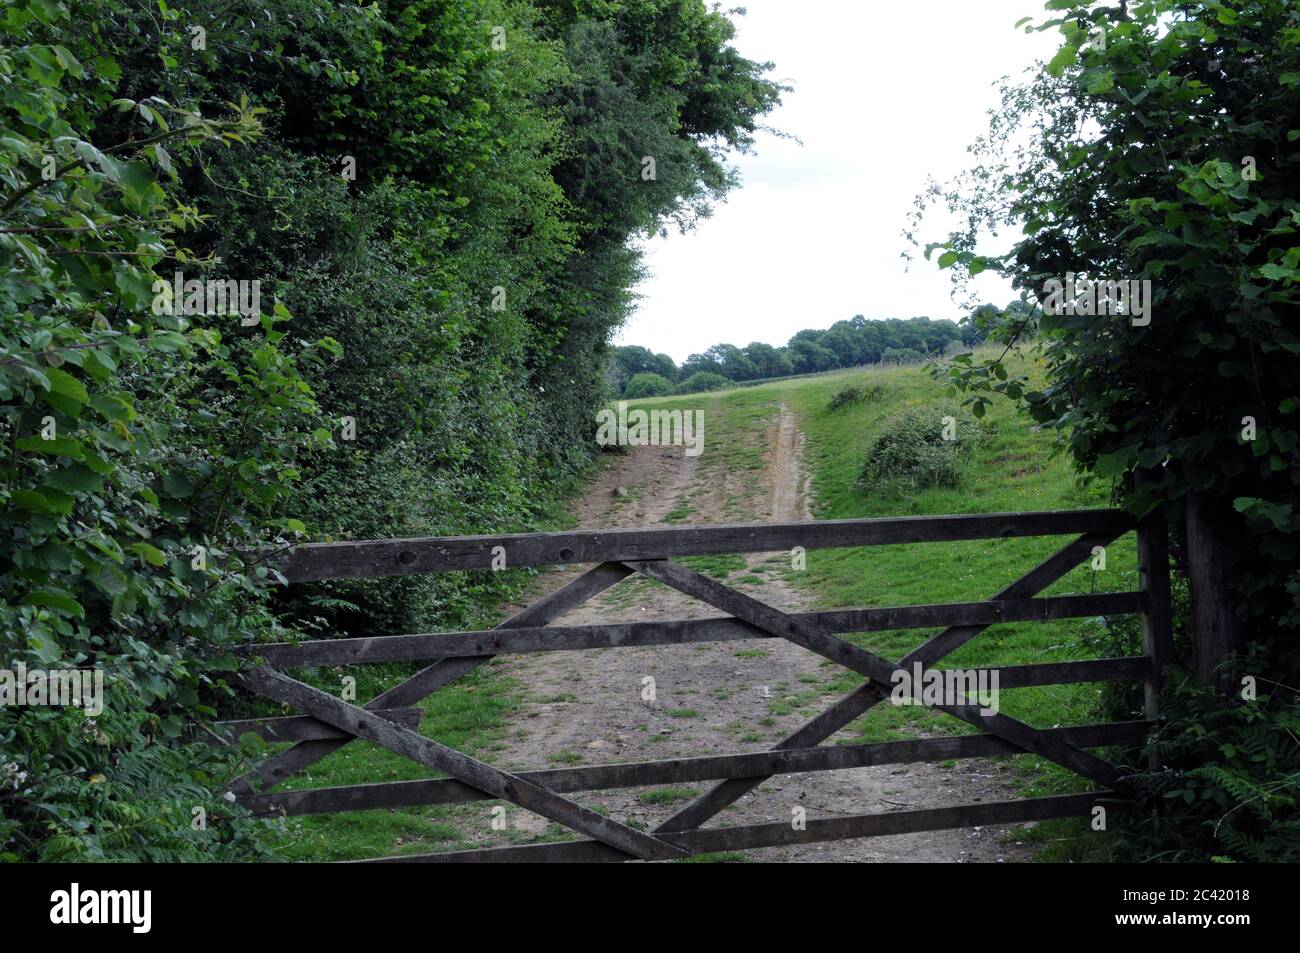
pixel 391 719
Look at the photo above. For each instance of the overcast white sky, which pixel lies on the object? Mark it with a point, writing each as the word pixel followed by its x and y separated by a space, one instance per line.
pixel 886 94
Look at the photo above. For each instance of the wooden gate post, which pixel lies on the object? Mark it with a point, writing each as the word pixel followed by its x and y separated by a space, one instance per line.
pixel 1157 621
pixel 1215 630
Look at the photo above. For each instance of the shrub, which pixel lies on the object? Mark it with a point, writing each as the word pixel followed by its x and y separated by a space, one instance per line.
pixel 144 448
pixel 853 394
pixel 647 384
pixel 911 452
pixel 702 381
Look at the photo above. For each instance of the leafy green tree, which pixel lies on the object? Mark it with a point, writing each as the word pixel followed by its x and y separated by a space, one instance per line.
pixel 1212 229
pixel 647 384
pixel 700 364
pixel 1165 150
pixel 702 381
pixel 446 217
pixel 734 364
pixel 768 361
pixel 847 346
pixel 808 355
pixel 627 362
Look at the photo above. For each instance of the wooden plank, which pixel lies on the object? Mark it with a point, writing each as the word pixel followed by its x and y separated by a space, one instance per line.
pixel 432 677
pixel 1135 667
pixel 747 837
pixel 867 695
pixel 403 794
pixel 314 562
pixel 403 648
pixel 486 778
pixel 875 668
pixel 296 727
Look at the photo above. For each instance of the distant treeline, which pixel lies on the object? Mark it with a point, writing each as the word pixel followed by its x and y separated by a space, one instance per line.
pixel 638 372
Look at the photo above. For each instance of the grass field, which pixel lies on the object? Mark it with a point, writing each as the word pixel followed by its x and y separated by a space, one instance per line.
pixel 1011 468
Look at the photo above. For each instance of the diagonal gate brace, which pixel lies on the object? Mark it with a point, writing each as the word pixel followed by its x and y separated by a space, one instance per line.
pixel 493 781
pixel 432 677
pixel 868 695
pixel 773 620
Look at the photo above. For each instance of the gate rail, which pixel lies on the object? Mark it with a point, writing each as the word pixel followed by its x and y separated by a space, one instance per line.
pixel 391 719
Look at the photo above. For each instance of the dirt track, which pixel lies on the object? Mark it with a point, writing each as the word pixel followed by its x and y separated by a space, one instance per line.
pixel 587 707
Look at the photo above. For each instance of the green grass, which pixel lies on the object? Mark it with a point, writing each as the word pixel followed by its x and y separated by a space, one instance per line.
pixel 469 715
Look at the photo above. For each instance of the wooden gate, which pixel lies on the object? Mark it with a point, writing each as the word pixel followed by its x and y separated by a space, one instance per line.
pixel 390 719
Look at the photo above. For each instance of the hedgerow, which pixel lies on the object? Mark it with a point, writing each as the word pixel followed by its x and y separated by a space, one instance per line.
pixel 436 201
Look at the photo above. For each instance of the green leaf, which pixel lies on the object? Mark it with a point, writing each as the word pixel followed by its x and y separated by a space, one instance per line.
pixel 59 601
pixel 112 407
pixel 150 554
pixel 31 501
pixel 46 500
pixel 106 67
pixel 66 394
pixel 1111 464
pixel 1100 82
pixel 54 447
pixel 68 61
pixel 1067 56
pixel 77 479
pixel 176 485
pixel 109 579
pixel 98 463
